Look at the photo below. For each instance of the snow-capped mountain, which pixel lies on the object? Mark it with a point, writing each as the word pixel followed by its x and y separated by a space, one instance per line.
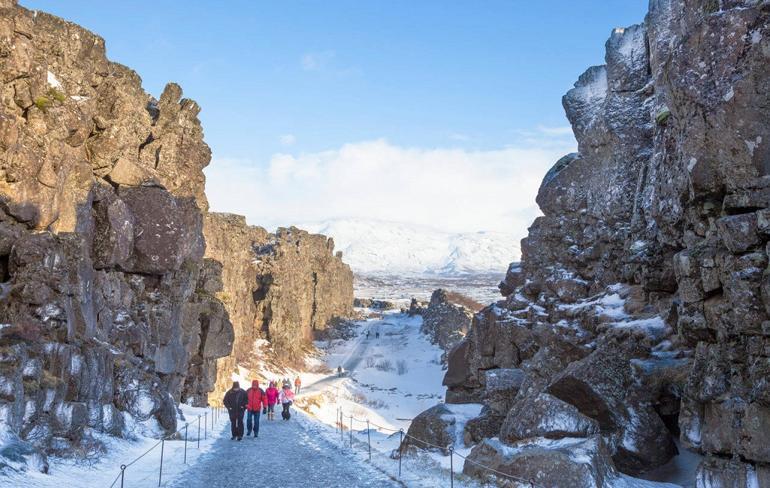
pixel 379 247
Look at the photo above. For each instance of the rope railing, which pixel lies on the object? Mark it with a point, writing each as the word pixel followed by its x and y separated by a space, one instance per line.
pixel 341 417
pixel 215 414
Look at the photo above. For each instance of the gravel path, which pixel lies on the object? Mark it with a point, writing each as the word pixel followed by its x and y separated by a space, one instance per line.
pixel 285 455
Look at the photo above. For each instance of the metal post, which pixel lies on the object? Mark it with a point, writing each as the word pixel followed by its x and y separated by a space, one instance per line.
pixel 342 429
pixel 122 474
pixel 199 431
pixel 351 432
pixel 451 467
pixel 369 440
pixel 185 442
pixel 400 450
pixel 205 425
pixel 212 419
pixel 160 473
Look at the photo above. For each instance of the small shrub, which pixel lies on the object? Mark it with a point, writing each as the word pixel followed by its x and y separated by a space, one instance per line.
pixel 370 362
pixel 401 367
pixel 663 116
pixel 385 365
pixel 711 6
pixel 43 103
pixel 57 95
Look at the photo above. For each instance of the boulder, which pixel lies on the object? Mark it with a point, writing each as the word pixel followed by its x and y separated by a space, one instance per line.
pixel 579 463
pixel 501 387
pixel 545 416
pixel 432 430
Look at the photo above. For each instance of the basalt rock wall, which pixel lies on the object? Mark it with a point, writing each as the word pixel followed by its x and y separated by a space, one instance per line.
pixel 108 310
pixel 640 311
pixel 279 287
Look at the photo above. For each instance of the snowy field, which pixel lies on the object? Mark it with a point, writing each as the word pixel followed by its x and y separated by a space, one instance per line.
pixel 480 287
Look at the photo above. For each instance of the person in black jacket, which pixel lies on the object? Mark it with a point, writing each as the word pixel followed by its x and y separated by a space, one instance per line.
pixel 235 402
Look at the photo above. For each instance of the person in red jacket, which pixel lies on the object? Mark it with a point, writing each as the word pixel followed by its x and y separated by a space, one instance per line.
pixel 257 401
pixel 272 399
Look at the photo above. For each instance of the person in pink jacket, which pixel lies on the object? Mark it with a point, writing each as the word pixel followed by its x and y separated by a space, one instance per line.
pixel 287 398
pixel 272 398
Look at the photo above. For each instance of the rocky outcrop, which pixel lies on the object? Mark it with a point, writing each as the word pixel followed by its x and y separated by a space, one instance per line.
pixel 640 306
pixel 106 299
pixel 447 318
pixel 280 287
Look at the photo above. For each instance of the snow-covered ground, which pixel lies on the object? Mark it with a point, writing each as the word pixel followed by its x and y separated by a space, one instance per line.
pixel 392 248
pixel 104 470
pixel 481 287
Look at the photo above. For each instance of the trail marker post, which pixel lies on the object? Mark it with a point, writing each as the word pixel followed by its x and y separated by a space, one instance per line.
pixel 369 440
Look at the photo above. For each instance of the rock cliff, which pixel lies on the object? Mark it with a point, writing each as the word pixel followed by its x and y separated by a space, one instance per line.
pixel 447 318
pixel 106 297
pixel 113 306
pixel 279 287
pixel 640 311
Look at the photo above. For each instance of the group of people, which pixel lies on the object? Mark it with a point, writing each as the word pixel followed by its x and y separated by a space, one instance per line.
pixel 256 401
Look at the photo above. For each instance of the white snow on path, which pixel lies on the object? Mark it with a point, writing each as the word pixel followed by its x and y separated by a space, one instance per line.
pixel 143 474
pixel 286 455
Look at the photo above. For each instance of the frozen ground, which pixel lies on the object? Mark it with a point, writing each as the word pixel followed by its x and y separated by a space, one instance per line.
pixel 482 287
pixel 103 471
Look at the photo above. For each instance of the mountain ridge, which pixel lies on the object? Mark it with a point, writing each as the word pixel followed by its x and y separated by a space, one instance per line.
pixel 376 247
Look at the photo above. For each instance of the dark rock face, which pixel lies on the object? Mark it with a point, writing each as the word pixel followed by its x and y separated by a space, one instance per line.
pixel 280 287
pixel 446 320
pixel 640 305
pixel 106 306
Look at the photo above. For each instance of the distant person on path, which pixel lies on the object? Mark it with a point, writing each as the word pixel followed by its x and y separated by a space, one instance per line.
pixel 235 401
pixel 257 400
pixel 297 385
pixel 339 371
pixel 377 335
pixel 272 398
pixel 287 398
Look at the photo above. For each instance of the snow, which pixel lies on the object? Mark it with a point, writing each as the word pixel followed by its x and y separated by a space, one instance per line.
pixel 374 247
pixel 102 471
pixel 52 80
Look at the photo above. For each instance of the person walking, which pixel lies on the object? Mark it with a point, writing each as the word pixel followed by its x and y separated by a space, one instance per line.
pixel 235 402
pixel 339 371
pixel 271 395
pixel 257 401
pixel 287 398
pixel 297 385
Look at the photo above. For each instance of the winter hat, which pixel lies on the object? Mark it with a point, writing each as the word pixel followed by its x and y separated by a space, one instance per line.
pixel 236 385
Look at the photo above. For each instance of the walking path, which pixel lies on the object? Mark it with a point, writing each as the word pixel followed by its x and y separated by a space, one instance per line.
pixel 285 455
pixel 349 364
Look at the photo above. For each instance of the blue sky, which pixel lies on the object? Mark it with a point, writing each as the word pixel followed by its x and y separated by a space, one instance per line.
pixel 303 78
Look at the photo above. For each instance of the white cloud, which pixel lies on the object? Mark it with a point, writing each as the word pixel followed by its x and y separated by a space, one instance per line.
pixel 288 139
pixel 453 190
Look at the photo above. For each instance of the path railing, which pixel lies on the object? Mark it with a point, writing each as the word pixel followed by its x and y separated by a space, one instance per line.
pixel 210 417
pixel 344 421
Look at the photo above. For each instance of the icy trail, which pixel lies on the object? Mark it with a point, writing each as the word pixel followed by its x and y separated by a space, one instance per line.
pixel 285 454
